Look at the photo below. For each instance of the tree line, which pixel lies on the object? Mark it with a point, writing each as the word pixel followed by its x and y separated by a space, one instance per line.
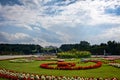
pixel 26 49
pixel 18 49
pixel 109 48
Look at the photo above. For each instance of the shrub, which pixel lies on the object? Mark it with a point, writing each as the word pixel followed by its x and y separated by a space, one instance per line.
pixel 74 54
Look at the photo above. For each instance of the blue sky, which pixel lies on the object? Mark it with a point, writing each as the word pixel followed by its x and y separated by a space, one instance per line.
pixel 56 22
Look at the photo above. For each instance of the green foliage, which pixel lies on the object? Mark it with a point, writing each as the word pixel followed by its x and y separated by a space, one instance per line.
pixel 74 54
pixel 111 47
pixel 19 49
pixel 3 79
pixel 83 54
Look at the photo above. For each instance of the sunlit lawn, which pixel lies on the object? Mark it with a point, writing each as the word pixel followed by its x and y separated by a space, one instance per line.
pixel 105 71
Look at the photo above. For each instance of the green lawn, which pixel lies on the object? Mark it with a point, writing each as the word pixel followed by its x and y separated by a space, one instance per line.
pixel 105 71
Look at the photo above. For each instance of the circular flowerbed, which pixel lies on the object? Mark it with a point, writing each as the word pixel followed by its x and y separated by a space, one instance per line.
pixel 21 61
pixel 70 66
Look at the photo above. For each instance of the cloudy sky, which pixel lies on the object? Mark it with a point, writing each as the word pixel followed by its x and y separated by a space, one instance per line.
pixel 56 22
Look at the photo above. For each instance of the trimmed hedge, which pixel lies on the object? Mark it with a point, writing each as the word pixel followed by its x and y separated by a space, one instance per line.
pixel 74 54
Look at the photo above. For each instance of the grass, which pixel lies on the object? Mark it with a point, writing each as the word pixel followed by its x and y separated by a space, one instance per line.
pixel 105 71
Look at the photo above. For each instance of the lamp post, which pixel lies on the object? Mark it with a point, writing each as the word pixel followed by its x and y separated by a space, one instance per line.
pixel 104 52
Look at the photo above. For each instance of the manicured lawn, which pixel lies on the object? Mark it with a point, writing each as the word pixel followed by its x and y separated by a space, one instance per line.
pixel 105 71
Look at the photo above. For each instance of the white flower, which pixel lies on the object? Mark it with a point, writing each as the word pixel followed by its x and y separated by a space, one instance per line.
pixel 37 77
pixel 43 77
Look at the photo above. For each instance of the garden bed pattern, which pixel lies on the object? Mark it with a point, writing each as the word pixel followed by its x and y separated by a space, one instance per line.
pixel 21 61
pixel 70 66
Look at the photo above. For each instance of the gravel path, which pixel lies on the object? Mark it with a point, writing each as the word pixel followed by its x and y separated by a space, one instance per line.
pixel 13 56
pixel 2 57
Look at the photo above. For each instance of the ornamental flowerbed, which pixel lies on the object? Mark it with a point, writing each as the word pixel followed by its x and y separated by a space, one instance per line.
pixel 65 64
pixel 12 75
pixel 70 66
pixel 108 60
pixel 21 60
pixel 111 58
pixel 115 65
pixel 44 58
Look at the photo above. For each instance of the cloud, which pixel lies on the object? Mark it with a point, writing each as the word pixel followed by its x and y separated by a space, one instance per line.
pixel 64 37
pixel 90 12
pixel 16 36
pixel 3 39
pixel 37 28
pixel 59 21
pixel 19 38
pixel 109 34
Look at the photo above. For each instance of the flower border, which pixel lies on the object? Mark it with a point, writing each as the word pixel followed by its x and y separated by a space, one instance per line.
pixel 117 65
pixel 12 75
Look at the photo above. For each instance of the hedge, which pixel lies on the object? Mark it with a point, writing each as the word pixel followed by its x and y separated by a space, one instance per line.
pixel 74 54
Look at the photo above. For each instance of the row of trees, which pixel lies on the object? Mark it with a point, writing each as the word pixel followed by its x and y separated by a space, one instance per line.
pixel 16 49
pixel 109 48
pixel 26 49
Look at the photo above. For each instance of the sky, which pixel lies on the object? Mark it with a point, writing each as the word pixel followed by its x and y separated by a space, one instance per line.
pixel 56 22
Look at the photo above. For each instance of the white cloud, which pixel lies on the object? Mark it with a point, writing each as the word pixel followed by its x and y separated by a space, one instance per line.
pixel 90 12
pixel 22 38
pixel 19 36
pixel 44 43
pixel 113 33
pixel 18 15
pixel 109 34
pixel 32 16
pixel 64 37
pixel 37 28
pixel 16 36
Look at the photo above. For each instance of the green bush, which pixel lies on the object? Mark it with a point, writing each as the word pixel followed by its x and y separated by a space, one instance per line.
pixel 74 54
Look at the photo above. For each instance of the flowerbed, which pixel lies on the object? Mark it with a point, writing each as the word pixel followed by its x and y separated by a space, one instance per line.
pixel 111 58
pixel 12 75
pixel 70 66
pixel 107 62
pixel 64 64
pixel 45 59
pixel 115 65
pixel 21 61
